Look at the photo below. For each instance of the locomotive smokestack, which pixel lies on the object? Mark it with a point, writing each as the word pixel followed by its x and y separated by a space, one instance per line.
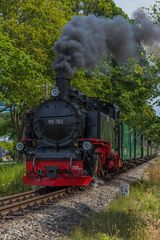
pixel 63 83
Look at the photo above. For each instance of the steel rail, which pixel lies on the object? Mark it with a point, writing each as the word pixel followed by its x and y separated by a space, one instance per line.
pixel 33 201
pixel 17 197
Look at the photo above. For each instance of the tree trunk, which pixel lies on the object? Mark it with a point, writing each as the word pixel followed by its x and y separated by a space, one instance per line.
pixel 18 121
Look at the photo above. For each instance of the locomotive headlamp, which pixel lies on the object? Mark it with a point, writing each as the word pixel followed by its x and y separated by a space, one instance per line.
pixel 87 145
pixel 55 92
pixel 19 146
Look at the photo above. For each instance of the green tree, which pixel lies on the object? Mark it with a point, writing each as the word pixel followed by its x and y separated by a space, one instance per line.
pixel 28 31
pixel 98 7
pixel 20 74
pixel 35 26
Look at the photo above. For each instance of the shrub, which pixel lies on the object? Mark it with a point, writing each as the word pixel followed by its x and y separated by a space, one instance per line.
pixel 11 179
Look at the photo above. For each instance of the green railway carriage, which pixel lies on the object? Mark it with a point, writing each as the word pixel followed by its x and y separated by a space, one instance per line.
pixel 154 148
pixel 134 145
pixel 131 143
pixel 127 142
pixel 145 147
pixel 138 145
pixel 149 150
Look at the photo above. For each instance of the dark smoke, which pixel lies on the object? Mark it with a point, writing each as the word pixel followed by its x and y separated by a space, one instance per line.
pixel 85 39
pixel 146 31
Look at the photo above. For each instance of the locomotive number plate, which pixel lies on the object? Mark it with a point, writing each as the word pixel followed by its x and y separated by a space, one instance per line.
pixel 55 121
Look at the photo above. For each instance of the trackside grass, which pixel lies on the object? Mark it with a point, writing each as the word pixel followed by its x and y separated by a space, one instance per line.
pixel 136 217
pixel 11 179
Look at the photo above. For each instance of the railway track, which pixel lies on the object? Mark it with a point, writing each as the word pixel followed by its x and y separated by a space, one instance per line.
pixel 125 168
pixel 17 198
pixel 11 204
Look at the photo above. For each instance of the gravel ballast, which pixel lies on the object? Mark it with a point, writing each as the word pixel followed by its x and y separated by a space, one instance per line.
pixel 56 220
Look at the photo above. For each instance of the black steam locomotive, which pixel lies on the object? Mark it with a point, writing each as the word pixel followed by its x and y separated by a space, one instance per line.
pixel 71 139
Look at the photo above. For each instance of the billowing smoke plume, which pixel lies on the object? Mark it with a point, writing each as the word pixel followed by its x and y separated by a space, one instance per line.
pixel 146 31
pixel 85 39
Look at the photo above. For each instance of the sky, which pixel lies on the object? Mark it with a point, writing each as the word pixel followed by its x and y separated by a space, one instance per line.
pixel 129 6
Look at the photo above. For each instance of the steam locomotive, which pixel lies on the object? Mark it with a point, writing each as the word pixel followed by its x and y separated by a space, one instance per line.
pixel 72 139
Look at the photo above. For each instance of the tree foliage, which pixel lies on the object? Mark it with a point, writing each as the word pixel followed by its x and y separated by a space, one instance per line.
pixel 97 7
pixel 20 73
pixel 28 30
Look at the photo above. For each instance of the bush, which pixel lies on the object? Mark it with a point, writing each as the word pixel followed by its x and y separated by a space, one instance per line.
pixel 11 179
